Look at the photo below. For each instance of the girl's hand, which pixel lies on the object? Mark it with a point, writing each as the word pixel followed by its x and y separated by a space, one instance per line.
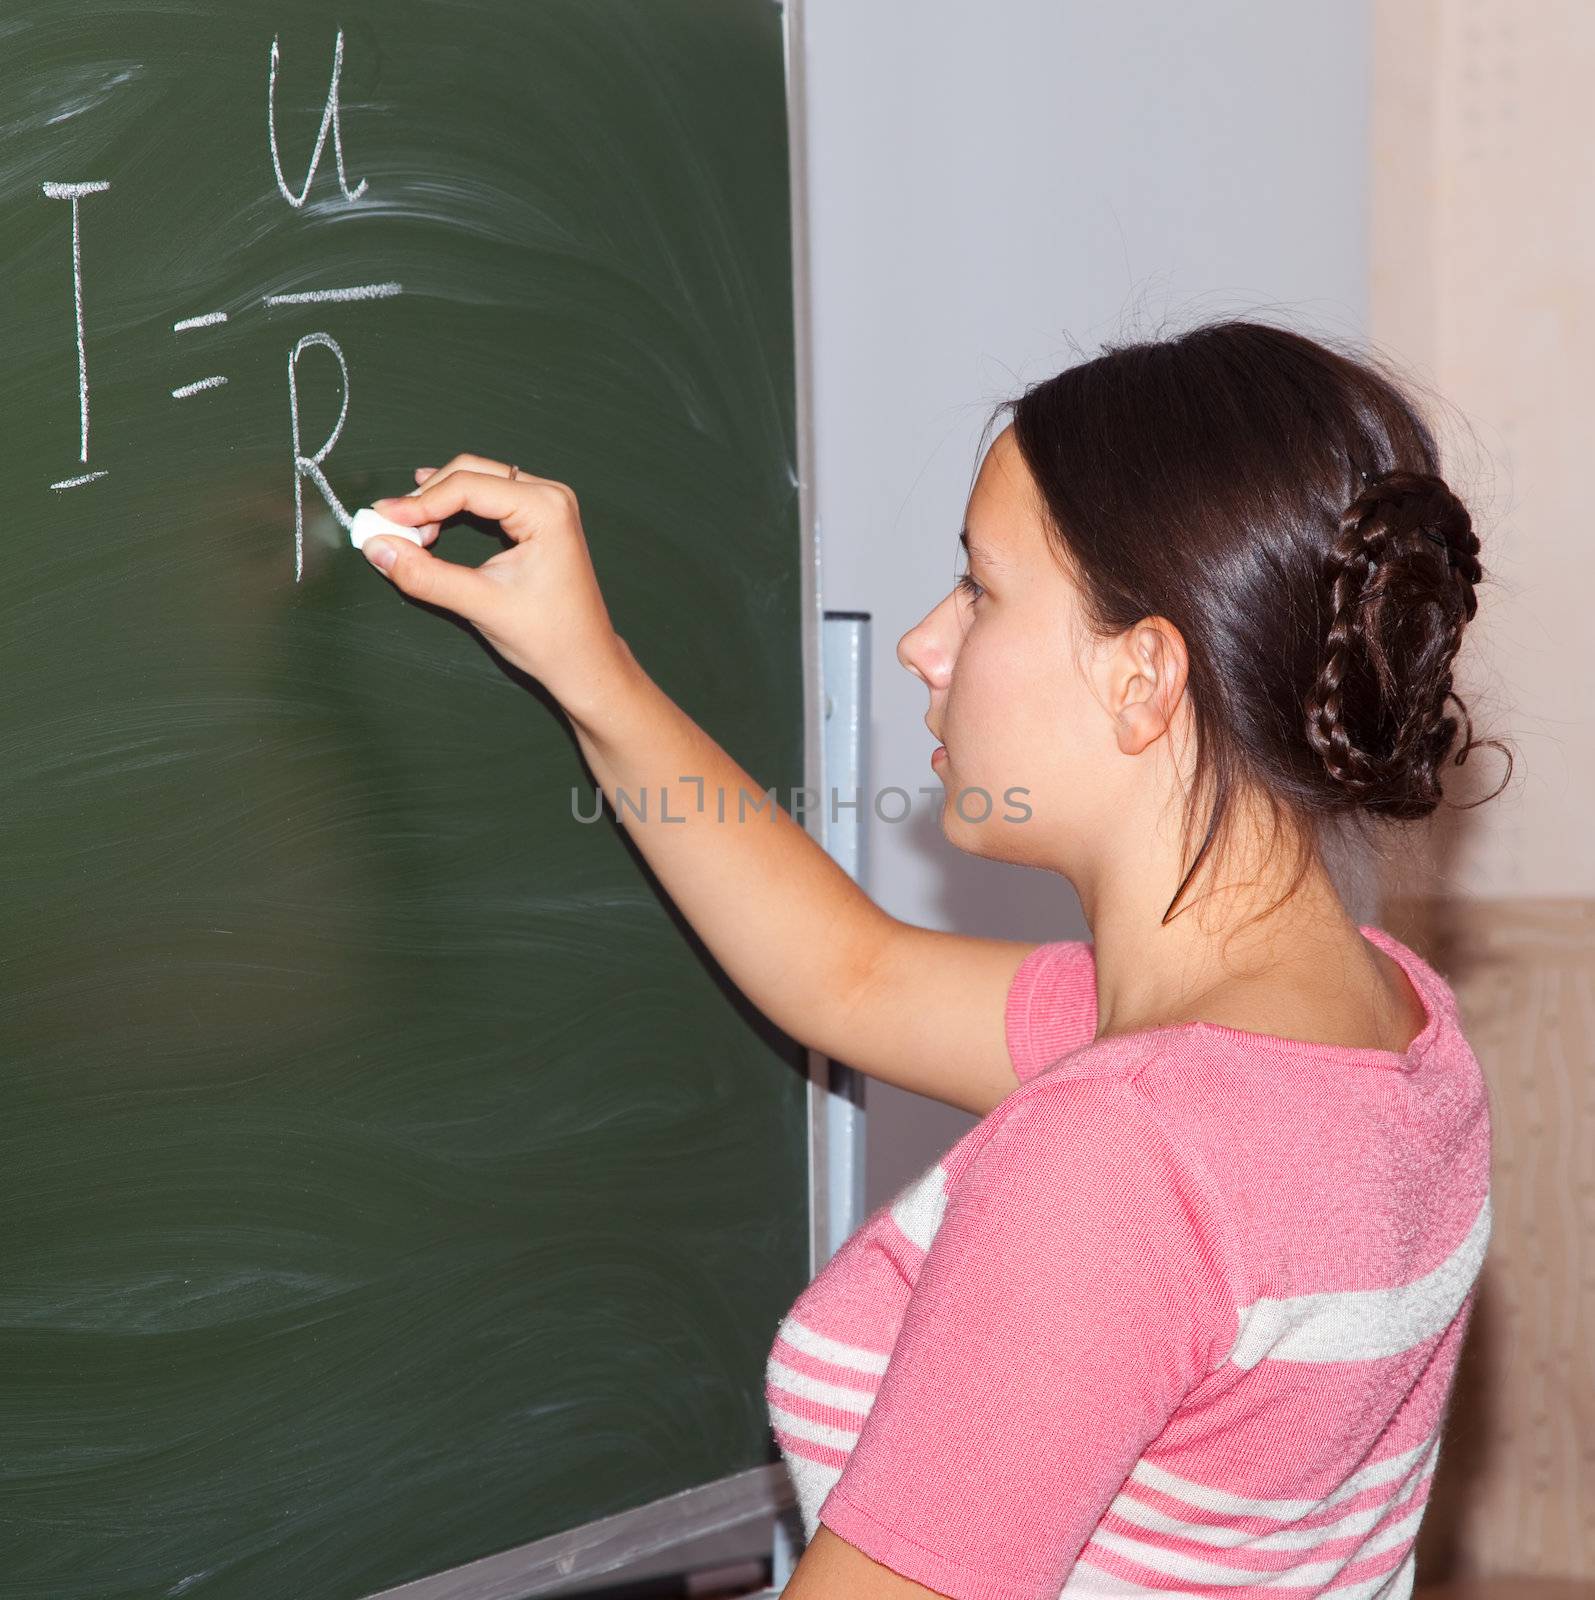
pixel 538 603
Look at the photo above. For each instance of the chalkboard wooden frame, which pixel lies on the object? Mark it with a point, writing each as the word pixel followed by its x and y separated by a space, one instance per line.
pixel 567 1563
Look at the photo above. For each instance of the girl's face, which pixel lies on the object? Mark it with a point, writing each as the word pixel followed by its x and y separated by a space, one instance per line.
pixel 1030 711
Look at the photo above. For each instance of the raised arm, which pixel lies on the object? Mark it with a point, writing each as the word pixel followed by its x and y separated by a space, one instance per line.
pixel 917 1008
pixel 911 1006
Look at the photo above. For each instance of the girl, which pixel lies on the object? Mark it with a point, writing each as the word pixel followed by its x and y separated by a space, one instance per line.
pixel 1180 1314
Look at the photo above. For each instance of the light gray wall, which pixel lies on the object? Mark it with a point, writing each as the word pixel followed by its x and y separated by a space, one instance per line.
pixel 992 189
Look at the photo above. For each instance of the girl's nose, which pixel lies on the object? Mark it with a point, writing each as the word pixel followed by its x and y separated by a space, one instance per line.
pixel 929 647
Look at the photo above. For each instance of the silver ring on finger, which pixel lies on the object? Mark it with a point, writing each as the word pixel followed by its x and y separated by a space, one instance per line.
pixel 515 472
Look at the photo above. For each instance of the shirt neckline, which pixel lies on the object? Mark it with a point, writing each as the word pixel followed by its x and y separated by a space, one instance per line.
pixel 1342 1054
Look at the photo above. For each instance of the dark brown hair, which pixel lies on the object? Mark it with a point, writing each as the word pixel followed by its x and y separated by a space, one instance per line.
pixel 1280 503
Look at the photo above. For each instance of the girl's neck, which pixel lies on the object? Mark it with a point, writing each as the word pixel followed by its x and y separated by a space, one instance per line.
pixel 1151 973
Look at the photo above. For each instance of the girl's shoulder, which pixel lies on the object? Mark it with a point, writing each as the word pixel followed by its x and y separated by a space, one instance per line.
pixel 1051 1022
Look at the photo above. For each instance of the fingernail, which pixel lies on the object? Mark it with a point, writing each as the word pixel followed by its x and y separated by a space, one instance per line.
pixel 381 552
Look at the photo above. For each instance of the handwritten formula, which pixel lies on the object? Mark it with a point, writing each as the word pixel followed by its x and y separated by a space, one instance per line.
pixel 304 466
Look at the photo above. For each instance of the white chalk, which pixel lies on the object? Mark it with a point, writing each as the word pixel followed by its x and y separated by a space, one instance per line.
pixel 366 523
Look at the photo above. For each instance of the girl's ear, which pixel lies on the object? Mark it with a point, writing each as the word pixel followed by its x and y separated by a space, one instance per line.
pixel 1146 679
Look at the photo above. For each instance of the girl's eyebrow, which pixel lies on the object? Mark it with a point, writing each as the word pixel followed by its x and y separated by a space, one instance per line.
pixel 976 552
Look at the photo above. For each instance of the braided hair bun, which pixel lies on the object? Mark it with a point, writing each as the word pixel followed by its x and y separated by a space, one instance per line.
pixel 1399 578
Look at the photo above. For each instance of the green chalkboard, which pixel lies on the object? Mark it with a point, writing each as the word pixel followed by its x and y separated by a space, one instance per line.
pixel 388 1177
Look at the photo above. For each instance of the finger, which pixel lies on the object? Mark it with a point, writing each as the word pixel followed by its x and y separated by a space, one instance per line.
pixel 427 530
pixel 519 507
pixel 426 577
pixel 471 463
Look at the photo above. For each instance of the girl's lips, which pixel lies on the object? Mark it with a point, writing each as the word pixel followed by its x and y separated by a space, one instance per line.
pixel 941 751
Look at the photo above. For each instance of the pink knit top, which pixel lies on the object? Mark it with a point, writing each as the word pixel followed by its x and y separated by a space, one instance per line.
pixel 1179 1317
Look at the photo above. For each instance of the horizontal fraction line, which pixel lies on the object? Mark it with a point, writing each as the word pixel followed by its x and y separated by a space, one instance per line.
pixel 88 477
pixel 360 291
pixel 199 322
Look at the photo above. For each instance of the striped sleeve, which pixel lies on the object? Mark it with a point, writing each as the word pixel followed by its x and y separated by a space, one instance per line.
pixel 1077 1287
pixel 1052 1005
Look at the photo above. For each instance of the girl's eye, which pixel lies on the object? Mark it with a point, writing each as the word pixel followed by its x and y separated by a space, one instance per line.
pixel 969 587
